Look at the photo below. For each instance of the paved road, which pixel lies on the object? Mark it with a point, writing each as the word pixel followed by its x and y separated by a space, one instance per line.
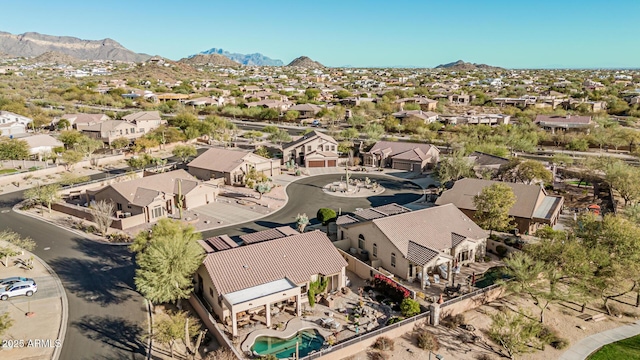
pixel 106 316
pixel 306 196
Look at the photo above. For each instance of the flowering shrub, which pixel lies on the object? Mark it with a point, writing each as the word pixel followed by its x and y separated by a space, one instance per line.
pixel 391 288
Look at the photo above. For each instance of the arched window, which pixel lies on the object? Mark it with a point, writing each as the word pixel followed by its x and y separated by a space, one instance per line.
pixel 375 250
pixel 361 242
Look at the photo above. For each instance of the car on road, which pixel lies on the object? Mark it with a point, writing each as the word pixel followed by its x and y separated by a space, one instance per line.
pixel 11 280
pixel 27 288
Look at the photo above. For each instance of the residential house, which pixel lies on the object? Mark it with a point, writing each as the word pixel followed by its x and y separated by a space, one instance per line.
pixel 260 277
pixel 306 110
pixel 427 116
pixel 532 210
pixel 145 121
pixel 12 129
pixel 412 244
pixel 590 106
pixel 271 104
pixel 81 121
pixel 476 119
pixel 231 165
pixel 315 149
pixel 153 197
pixel 460 99
pixel 131 127
pixel 424 103
pixel 402 156
pixel 42 144
pixel 7 117
pixel 566 122
pixel 486 163
pixel 521 102
pixel 267 235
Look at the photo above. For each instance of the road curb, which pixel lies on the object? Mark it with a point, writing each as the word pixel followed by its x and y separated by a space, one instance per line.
pixel 62 331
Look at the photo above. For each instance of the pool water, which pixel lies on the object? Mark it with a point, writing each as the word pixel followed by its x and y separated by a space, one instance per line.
pixel 308 341
pixel 491 276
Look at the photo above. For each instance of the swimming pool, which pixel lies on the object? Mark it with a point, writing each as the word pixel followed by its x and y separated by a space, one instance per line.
pixel 308 341
pixel 491 276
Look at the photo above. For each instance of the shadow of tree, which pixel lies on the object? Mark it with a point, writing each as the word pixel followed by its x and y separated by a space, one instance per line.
pixel 95 280
pixel 118 333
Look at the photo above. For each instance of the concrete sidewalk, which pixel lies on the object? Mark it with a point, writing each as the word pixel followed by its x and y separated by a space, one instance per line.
pixel 585 347
pixel 41 335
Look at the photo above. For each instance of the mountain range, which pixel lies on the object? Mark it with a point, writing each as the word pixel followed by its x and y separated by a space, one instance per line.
pixel 34 44
pixel 210 59
pixel 461 65
pixel 256 59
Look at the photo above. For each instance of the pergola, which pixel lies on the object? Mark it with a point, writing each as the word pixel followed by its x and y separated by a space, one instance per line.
pixel 261 295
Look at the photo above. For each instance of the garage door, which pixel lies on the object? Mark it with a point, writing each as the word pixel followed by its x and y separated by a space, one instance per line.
pixel 332 162
pixel 400 165
pixel 316 163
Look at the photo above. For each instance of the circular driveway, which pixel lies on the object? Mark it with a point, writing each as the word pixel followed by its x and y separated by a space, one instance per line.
pixel 306 196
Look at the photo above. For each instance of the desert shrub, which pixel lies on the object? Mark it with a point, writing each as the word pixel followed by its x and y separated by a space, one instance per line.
pixel 484 357
pixel 426 340
pixel 510 241
pixel 223 353
pixel 501 250
pixel 394 320
pixel 377 355
pixel 453 321
pixel 560 343
pixel 550 336
pixel 466 338
pixel 486 258
pixel 326 215
pixel 383 343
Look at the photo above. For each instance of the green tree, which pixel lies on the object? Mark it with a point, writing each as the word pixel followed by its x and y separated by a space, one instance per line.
pixel 269 114
pixel 349 134
pixel 184 152
pixel 527 171
pixel 373 131
pixel 343 94
pixel 168 331
pixel 263 151
pixel 291 115
pixel 145 144
pixel 270 129
pixel 302 220
pixel 70 138
pixel 312 94
pixel 70 158
pixel 409 307
pixel 87 146
pixel 280 137
pixel 43 194
pixel 263 188
pixel 326 215
pixel 63 124
pixel 120 143
pixel 493 205
pixel 13 149
pixel 5 323
pixel 167 258
pixel 453 168
pixel 139 162
pixel 514 332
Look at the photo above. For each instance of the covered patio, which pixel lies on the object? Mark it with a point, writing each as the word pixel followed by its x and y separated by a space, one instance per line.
pixel 255 303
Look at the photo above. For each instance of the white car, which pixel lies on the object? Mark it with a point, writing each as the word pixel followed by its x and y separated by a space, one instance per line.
pixel 27 288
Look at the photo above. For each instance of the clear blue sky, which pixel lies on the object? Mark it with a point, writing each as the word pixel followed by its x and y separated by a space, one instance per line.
pixel 516 34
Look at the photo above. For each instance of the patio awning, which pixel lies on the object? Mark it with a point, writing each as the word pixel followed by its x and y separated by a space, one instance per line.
pixel 256 292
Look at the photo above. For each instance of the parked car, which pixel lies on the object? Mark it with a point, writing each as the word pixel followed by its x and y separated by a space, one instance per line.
pixel 315 123
pixel 27 288
pixel 11 280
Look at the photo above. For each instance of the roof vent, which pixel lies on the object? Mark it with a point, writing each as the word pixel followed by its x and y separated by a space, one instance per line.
pixel 245 266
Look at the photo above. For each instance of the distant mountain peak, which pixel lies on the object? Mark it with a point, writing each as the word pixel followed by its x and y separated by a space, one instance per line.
pixel 256 59
pixel 210 59
pixel 461 65
pixel 31 44
pixel 306 62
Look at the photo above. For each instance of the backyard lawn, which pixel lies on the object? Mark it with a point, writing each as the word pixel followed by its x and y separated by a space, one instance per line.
pixel 7 171
pixel 623 349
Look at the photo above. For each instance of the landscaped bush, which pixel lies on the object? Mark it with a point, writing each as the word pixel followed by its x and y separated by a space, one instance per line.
pixel 409 307
pixel 383 343
pixel 394 320
pixel 486 258
pixel 325 215
pixel 426 340
pixel 510 241
pixel 390 288
pixel 501 250
pixel 550 336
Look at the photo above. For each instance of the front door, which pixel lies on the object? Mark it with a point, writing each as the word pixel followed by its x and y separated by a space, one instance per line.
pixel 200 288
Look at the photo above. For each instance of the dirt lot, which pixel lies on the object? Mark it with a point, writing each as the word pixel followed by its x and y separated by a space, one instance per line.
pixel 561 317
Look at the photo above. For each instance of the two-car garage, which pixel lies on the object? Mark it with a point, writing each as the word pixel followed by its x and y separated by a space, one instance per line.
pixel 321 163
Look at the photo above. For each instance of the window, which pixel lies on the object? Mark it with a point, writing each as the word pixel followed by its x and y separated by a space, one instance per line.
pixel 211 292
pixel 156 212
pixel 375 250
pixel 308 147
pixel 393 259
pixel 118 206
pixel 361 242
pixel 333 148
pixel 133 130
pixel 303 289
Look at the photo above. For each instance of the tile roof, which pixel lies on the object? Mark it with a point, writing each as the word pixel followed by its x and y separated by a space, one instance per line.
pixel 142 116
pixel 482 159
pixel 107 125
pixel 309 137
pixel 296 258
pixel 217 243
pixel 432 228
pixel 42 140
pixel 85 118
pixel 225 160
pixel 379 212
pixel 159 183
pixel 568 119
pixel 419 254
pixel 393 148
pixel 269 234
pixel 528 197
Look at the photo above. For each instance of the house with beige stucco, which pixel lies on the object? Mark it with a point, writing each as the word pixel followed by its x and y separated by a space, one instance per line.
pixel 315 149
pixel 412 245
pixel 231 164
pixel 398 155
pixel 243 283
pixel 150 198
